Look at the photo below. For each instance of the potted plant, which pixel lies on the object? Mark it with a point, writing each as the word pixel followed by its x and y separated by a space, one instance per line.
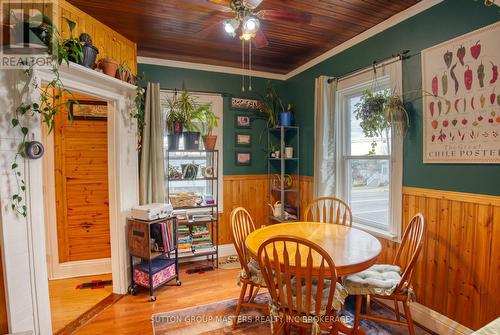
pixel 124 72
pixel 209 122
pixel 108 66
pixel 396 114
pixel 380 111
pixel 72 47
pixel 272 106
pixel 286 117
pixel 89 51
pixel 175 121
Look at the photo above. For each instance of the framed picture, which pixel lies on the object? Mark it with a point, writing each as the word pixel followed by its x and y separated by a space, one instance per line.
pixel 243 158
pixel 460 121
pixel 89 110
pixel 243 140
pixel 243 121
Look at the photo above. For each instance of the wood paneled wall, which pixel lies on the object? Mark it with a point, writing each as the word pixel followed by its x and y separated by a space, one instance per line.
pixel 82 205
pixel 457 273
pixel 109 42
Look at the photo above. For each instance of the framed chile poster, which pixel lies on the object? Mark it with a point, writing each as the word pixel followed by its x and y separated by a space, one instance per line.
pixel 461 99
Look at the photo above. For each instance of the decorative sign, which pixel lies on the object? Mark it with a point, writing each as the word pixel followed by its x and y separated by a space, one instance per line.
pixel 238 103
pixel 89 110
pixel 461 103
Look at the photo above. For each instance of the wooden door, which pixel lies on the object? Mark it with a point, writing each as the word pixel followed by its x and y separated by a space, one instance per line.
pixel 4 326
pixel 81 175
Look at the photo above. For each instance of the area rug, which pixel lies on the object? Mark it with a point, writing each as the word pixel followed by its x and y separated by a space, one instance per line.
pixel 216 318
pixel 229 262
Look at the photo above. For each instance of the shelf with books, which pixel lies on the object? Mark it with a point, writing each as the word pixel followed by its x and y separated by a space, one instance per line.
pixel 154 243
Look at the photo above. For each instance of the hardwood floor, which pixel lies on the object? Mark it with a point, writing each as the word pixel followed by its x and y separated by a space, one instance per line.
pixel 68 303
pixel 132 314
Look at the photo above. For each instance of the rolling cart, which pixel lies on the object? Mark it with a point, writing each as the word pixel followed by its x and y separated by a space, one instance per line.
pixel 158 266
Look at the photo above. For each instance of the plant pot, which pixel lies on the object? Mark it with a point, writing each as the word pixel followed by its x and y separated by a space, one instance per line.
pixel 209 141
pixel 285 119
pixel 191 140
pixel 89 55
pixel 189 171
pixel 177 127
pixel 108 66
pixel 173 141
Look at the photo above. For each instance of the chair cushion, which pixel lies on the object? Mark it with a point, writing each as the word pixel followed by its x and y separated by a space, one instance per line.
pixel 255 274
pixel 380 279
pixel 338 297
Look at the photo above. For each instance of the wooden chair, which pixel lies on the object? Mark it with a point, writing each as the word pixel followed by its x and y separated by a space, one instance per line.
pixel 405 260
pixel 329 210
pixel 250 277
pixel 302 296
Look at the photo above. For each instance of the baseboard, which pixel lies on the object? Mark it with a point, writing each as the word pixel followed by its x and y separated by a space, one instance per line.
pixel 90 267
pixel 432 320
pixel 224 250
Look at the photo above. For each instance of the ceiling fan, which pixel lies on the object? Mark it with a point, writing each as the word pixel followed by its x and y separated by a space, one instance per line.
pixel 246 18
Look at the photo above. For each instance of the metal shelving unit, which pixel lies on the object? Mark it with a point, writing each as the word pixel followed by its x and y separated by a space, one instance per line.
pixel 212 159
pixel 285 135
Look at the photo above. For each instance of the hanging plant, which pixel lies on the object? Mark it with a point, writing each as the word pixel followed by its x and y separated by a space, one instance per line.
pixel 380 111
pixel 396 114
pixel 370 112
pixel 137 112
pixel 48 104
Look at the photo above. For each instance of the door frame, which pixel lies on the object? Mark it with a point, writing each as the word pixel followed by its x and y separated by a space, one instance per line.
pixel 56 269
pixel 23 242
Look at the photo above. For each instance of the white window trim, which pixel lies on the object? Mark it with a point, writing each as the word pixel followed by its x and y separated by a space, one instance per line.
pixel 392 74
pixel 218 108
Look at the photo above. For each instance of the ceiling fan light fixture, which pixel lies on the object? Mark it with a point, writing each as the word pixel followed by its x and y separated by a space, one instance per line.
pixel 250 24
pixel 230 26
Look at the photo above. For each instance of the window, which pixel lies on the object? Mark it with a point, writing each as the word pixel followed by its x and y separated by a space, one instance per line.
pixel 202 159
pixel 368 170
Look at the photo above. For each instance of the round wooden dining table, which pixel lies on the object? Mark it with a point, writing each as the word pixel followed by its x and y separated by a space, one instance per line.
pixel 351 249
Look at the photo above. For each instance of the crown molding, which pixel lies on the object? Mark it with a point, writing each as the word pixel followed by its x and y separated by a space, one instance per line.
pixel 207 67
pixel 390 22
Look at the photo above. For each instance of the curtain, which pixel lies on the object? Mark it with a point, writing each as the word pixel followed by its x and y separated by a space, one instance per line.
pixel 152 166
pixel 324 140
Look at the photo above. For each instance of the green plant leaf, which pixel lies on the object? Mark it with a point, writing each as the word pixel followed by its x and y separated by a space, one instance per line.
pixel 14 122
pixel 14 166
pixel 71 24
pixel 24 130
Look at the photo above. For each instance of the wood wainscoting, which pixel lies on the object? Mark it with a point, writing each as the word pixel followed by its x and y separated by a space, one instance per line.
pixel 457 273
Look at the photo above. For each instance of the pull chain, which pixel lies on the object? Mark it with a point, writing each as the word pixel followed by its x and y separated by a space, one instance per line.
pixel 242 65
pixel 250 65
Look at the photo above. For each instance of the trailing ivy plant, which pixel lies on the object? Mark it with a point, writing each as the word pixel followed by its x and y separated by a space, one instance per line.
pixel 49 103
pixel 138 113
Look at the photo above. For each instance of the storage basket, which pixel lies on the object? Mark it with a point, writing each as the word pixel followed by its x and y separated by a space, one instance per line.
pixel 179 200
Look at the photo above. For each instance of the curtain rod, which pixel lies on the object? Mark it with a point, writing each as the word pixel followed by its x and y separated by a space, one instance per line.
pixel 376 63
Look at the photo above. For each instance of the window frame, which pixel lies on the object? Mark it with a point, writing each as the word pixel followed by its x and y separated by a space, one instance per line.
pixel 343 140
pixel 217 101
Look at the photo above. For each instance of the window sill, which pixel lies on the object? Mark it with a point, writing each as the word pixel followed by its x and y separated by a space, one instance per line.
pixel 376 232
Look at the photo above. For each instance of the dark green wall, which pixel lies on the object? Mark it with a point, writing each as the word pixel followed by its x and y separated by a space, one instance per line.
pixel 442 22
pixel 228 85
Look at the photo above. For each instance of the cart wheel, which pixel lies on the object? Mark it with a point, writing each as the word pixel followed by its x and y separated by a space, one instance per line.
pixel 179 283
pixel 152 298
pixel 131 290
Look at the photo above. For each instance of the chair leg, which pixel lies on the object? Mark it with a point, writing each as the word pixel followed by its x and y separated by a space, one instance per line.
pixel 368 304
pixel 238 306
pixel 250 293
pixel 359 302
pixel 396 309
pixel 408 318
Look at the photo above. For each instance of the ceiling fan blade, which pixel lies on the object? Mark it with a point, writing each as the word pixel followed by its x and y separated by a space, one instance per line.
pixel 253 3
pixel 211 30
pixel 218 5
pixel 283 15
pixel 260 40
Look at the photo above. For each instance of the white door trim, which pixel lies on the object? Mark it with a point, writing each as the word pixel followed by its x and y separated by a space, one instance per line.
pixel 23 242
